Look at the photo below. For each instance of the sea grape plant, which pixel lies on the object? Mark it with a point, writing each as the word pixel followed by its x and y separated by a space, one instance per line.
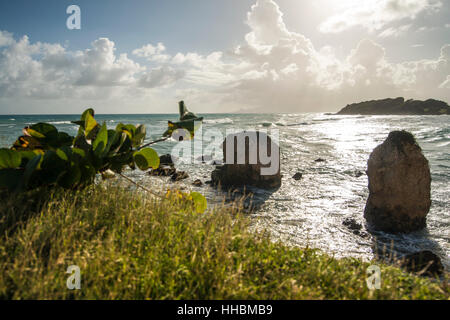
pixel 44 156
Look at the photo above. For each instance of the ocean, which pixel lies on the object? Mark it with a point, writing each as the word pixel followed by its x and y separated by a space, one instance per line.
pixel 310 211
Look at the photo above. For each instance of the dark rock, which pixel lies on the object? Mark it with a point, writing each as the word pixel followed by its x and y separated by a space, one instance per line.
pixel 209 182
pixel 198 183
pixel 320 160
pixel 297 176
pixel 424 262
pixel 166 159
pixel 163 171
pixel 397 106
pixel 352 224
pixel 358 173
pixel 249 171
pixel 217 162
pixel 399 185
pixel 179 175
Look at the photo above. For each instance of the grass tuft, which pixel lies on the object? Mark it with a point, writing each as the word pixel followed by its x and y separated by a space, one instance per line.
pixel 131 246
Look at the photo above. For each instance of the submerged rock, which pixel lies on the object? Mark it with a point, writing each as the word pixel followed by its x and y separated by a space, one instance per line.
pixel 320 160
pixel 179 175
pixel 243 165
pixel 163 171
pixel 198 183
pixel 297 176
pixel 399 185
pixel 425 262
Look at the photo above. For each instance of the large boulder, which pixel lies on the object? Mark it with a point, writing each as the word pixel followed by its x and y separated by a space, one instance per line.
pixel 399 185
pixel 246 164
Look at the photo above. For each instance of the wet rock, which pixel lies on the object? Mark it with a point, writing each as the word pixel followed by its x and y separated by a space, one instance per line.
pixel 424 262
pixel 355 227
pixel 209 182
pixel 297 176
pixel 358 173
pixel 166 159
pixel 198 183
pixel 162 171
pixel 179 175
pixel 217 162
pixel 320 160
pixel 399 185
pixel 242 163
pixel 352 224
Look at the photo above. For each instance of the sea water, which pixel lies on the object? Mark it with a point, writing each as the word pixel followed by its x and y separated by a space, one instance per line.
pixel 310 211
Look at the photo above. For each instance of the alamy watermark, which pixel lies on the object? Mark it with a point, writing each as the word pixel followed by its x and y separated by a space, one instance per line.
pixel 373 279
pixel 73 22
pixel 74 280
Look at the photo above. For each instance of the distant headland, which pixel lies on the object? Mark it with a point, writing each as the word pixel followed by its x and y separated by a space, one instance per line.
pixel 397 106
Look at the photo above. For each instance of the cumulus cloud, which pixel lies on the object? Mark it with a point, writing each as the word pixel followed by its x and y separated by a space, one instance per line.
pixel 49 71
pixel 376 14
pixel 279 70
pixel 273 70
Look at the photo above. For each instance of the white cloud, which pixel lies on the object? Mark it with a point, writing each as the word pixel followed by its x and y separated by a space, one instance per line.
pixel 272 70
pixel 49 71
pixel 376 14
pixel 282 71
pixel 161 76
pixel 6 38
pixel 152 53
pixel 393 32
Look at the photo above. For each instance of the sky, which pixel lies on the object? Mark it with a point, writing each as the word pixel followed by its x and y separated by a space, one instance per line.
pixel 219 56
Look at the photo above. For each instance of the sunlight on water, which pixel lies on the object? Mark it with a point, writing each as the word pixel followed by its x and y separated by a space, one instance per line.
pixel 311 210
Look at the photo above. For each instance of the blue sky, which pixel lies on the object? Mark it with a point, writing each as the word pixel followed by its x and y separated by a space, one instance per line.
pixel 242 55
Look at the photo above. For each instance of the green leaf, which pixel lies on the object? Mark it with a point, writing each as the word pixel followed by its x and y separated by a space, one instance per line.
pixel 146 158
pixel 9 159
pixel 30 168
pixel 64 153
pixel 200 202
pixel 90 124
pixel 100 141
pixel 139 136
pixel 43 131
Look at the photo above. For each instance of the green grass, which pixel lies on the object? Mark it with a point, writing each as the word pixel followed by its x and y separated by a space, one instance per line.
pixel 131 246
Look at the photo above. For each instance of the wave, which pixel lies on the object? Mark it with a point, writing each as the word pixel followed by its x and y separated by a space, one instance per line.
pixel 218 121
pixel 60 122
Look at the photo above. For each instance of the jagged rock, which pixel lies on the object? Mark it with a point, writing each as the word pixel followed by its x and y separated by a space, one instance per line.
pixel 399 185
pixel 166 159
pixel 248 171
pixel 162 171
pixel 352 224
pixel 397 106
pixel 297 176
pixel 198 183
pixel 355 227
pixel 179 175
pixel 425 262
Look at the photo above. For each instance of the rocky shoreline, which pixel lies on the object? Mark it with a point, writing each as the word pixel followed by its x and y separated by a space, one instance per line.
pixel 397 106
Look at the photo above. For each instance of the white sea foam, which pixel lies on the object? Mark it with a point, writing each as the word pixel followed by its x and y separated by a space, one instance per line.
pixel 218 121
